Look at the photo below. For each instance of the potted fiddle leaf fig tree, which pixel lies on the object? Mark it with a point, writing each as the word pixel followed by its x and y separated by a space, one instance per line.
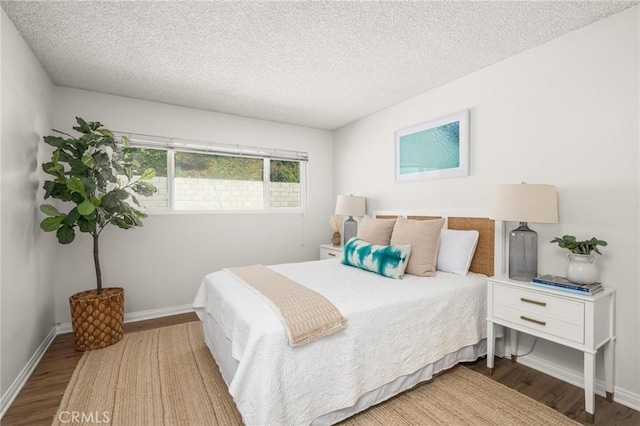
pixel 93 176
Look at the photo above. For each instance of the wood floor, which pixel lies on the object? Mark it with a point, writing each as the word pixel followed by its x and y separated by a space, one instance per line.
pixel 38 401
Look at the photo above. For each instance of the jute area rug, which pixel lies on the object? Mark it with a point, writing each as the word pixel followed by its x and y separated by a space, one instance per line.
pixel 167 376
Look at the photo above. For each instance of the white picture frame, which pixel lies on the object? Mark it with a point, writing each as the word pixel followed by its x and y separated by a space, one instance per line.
pixel 434 149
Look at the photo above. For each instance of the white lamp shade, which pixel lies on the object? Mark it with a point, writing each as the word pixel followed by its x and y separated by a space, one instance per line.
pixel 350 205
pixel 525 203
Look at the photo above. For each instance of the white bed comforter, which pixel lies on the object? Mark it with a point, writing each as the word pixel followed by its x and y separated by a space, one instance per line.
pixel 394 328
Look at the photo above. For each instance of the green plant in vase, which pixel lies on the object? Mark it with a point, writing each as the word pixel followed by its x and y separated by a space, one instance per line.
pixel 581 266
pixel 570 243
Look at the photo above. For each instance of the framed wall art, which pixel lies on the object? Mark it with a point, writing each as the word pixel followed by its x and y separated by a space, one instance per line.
pixel 435 149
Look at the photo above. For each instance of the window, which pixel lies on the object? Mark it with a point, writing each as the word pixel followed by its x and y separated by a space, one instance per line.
pixel 157 159
pixel 197 178
pixel 284 183
pixel 216 182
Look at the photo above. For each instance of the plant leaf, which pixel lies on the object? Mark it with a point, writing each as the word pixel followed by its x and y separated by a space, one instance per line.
pixel 83 126
pixel 86 225
pixel 53 169
pixel 87 160
pixel 146 189
pixel 89 185
pixel 50 224
pixel 75 185
pixel 138 213
pixel 148 174
pixel 65 235
pixel 112 198
pixel 49 210
pixel 94 125
pixel 86 208
pixel 56 141
pixel 55 190
pixel 105 132
pixel 71 218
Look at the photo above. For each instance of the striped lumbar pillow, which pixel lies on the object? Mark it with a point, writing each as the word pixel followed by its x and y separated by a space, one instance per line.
pixel 389 261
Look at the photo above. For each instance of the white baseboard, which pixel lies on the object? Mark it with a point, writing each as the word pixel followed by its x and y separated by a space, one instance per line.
pixel 15 388
pixel 621 396
pixel 17 385
pixel 138 316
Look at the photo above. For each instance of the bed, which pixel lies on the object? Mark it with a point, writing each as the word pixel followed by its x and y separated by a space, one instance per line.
pixel 399 333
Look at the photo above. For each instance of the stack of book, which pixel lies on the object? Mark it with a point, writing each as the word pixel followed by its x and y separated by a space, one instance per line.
pixel 561 283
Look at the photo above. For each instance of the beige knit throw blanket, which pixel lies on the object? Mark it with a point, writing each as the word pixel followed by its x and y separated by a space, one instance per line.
pixel 305 314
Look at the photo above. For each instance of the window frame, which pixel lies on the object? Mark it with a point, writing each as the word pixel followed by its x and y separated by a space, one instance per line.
pixel 171 146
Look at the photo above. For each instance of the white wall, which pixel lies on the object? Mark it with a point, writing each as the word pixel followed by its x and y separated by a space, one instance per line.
pixel 162 263
pixel 27 305
pixel 565 113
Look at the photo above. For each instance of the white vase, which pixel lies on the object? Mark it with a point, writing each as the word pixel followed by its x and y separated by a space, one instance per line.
pixel 581 268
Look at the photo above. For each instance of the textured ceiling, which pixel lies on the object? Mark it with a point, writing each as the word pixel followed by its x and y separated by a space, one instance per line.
pixel 318 64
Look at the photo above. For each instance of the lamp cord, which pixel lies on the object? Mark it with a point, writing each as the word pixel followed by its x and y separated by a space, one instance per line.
pixel 530 350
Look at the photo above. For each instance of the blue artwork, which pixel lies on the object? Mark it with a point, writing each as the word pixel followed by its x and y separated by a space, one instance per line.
pixel 433 149
pixel 436 149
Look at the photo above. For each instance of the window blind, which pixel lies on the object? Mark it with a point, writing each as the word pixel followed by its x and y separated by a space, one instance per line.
pixel 148 141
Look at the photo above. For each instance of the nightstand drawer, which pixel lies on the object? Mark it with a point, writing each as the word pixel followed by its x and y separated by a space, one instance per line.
pixel 330 252
pixel 542 312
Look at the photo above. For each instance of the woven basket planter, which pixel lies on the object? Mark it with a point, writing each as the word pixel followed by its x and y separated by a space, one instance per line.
pixel 97 320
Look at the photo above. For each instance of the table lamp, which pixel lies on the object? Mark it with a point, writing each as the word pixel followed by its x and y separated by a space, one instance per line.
pixel 524 203
pixel 350 205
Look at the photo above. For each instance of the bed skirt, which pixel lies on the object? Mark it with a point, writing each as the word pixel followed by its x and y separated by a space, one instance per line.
pixel 220 347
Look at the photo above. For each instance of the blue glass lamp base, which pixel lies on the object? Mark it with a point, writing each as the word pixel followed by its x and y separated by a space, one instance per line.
pixel 523 253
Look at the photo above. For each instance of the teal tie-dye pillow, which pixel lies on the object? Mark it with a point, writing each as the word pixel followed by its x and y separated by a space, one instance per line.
pixel 389 261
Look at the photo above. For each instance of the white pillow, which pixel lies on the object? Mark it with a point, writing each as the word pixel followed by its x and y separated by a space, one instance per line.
pixel 456 250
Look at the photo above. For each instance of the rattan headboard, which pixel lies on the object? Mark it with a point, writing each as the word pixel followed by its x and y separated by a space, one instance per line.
pixel 483 259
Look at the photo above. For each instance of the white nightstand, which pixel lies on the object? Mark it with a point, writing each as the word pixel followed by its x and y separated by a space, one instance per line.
pixel 329 251
pixel 585 323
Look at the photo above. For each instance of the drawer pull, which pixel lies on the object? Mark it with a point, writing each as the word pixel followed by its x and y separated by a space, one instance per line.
pixel 331 254
pixel 535 302
pixel 522 317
